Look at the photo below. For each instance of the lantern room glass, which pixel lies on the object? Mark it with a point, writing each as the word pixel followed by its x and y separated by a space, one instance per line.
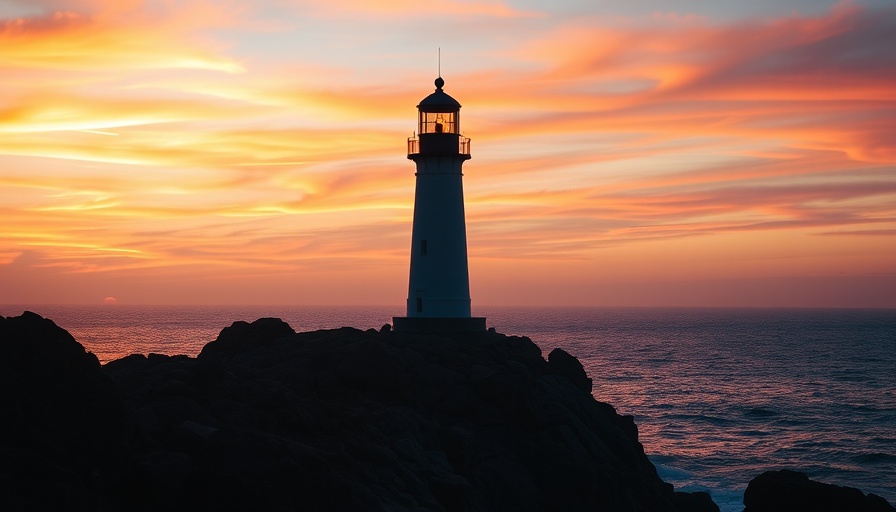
pixel 439 122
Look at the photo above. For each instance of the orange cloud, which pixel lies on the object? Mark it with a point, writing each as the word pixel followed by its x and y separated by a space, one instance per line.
pixel 120 37
pixel 695 77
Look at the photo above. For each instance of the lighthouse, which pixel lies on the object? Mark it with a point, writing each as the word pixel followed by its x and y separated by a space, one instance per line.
pixel 439 283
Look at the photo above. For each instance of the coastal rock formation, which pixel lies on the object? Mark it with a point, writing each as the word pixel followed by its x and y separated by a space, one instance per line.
pixel 785 491
pixel 61 418
pixel 269 419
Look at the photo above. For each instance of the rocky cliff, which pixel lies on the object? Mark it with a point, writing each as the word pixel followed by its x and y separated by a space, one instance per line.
pixel 269 419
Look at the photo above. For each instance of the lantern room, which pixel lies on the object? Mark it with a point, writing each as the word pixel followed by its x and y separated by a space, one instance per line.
pixel 438 112
pixel 438 126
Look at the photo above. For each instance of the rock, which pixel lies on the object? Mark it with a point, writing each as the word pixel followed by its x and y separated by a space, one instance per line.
pixel 695 502
pixel 62 418
pixel 56 399
pixel 269 419
pixel 241 336
pixel 373 365
pixel 784 490
pixel 562 363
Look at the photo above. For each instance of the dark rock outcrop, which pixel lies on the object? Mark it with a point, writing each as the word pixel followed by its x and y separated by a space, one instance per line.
pixel 561 362
pixel 269 419
pixel 259 333
pixel 62 422
pixel 786 491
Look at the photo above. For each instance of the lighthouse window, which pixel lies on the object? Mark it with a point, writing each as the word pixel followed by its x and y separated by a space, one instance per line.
pixel 438 122
pixel 423 247
pixel 419 304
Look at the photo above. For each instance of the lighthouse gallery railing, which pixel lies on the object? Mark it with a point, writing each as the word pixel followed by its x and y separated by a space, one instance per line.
pixel 463 145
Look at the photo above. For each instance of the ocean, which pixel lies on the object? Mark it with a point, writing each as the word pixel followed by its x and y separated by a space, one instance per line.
pixel 719 395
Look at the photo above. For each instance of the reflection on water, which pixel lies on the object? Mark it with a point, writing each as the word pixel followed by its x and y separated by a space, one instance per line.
pixel 718 395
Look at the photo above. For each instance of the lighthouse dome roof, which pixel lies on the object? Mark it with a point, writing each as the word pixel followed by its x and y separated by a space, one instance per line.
pixel 439 101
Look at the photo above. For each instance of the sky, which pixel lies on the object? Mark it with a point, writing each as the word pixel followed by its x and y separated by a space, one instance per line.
pixel 637 153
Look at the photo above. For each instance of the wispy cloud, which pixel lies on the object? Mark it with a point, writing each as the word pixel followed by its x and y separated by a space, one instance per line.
pixel 122 36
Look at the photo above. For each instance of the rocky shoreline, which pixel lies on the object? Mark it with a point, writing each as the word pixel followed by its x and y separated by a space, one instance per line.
pixel 269 419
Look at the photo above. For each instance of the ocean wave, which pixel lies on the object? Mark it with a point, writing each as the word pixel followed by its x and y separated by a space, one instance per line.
pixel 761 413
pixel 753 433
pixel 875 458
pixel 700 418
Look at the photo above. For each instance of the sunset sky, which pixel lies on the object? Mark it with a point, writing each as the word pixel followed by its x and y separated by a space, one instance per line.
pixel 639 153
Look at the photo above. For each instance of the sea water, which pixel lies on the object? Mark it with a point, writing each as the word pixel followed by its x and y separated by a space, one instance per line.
pixel 719 395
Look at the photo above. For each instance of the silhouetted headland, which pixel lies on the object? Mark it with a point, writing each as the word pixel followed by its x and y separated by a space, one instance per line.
pixel 269 419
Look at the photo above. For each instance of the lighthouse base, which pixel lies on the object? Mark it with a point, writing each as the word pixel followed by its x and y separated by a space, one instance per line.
pixel 438 325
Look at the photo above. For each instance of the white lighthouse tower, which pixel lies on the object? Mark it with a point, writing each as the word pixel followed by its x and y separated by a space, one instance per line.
pixel 439 285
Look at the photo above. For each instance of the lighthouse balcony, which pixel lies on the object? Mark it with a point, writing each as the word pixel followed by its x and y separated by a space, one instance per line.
pixel 439 144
